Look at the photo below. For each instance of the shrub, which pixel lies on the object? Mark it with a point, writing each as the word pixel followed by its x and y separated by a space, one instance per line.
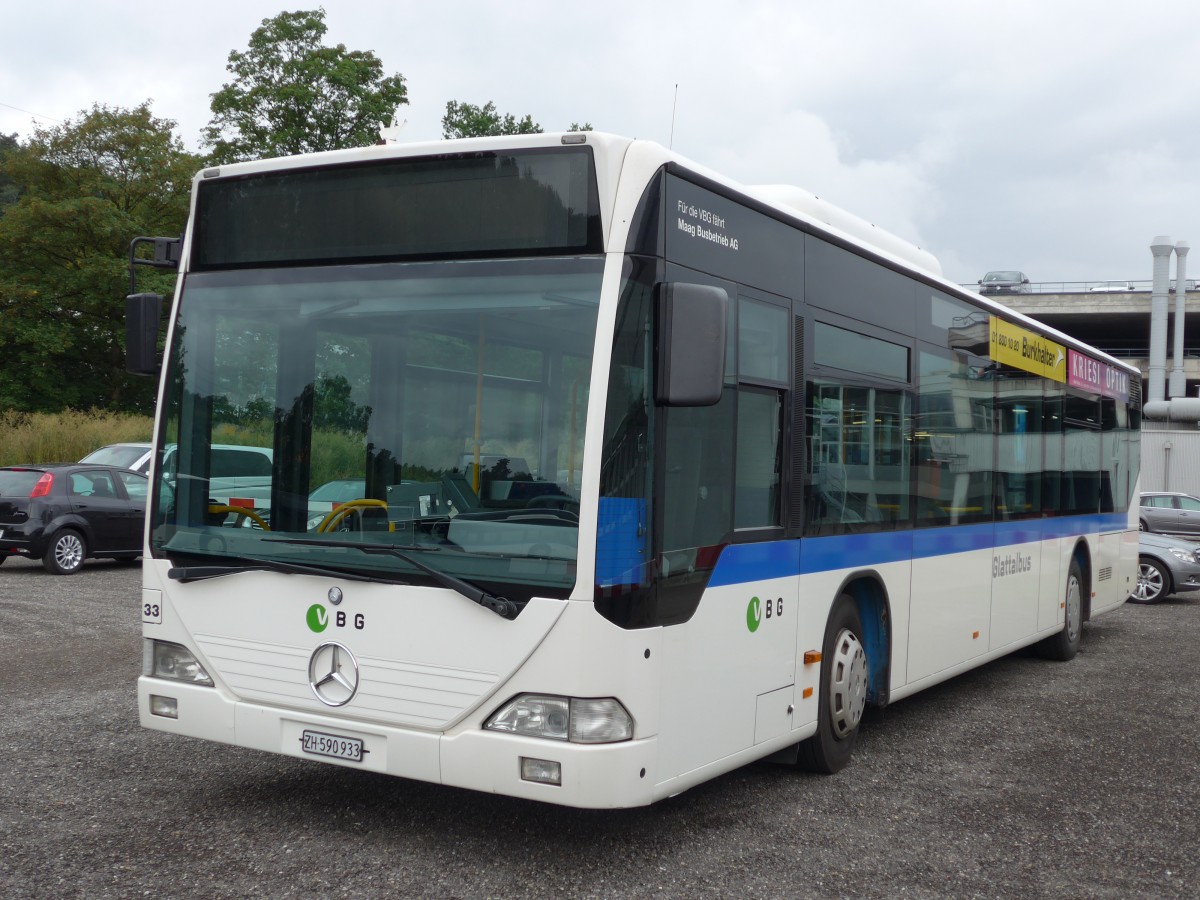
pixel 65 436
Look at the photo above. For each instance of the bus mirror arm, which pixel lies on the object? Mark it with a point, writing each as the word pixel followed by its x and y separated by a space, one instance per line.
pixel 689 344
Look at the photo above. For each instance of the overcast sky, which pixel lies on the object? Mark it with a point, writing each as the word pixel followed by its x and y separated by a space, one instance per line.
pixel 1053 136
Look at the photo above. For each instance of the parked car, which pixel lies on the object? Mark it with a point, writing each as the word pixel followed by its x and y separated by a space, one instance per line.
pixel 1169 512
pixel 1004 282
pixel 1166 565
pixel 128 456
pixel 64 514
pixel 1113 287
pixel 236 469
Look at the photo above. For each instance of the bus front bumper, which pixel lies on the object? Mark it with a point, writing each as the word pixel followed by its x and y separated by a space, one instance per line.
pixel 596 776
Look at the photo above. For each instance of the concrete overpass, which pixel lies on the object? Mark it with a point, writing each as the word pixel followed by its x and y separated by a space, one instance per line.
pixel 1117 322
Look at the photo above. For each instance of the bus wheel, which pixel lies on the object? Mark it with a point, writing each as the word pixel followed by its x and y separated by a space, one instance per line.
pixel 843 692
pixel 1065 644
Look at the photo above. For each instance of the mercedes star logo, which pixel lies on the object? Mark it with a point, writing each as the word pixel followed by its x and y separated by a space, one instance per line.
pixel 333 674
pixel 335 595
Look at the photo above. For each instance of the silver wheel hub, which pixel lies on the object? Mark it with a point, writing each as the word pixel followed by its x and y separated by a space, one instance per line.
pixel 1074 609
pixel 68 551
pixel 847 683
pixel 1149 583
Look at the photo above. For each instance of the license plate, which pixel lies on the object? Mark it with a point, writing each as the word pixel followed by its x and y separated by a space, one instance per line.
pixel 321 744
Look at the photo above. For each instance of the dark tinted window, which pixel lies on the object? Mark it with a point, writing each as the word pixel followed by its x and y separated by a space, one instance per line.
pixel 845 283
pixel 237 463
pixel 1081 481
pixel 855 352
pixel 954 440
pixel 1019 443
pixel 487 204
pixel 756 503
pixel 859 472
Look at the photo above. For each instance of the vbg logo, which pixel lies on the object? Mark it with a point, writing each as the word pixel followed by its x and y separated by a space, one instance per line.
pixel 318 618
pixel 757 610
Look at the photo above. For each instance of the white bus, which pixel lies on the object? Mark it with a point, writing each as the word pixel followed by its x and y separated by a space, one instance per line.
pixel 644 474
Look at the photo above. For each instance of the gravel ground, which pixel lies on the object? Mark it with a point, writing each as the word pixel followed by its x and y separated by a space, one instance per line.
pixel 1024 778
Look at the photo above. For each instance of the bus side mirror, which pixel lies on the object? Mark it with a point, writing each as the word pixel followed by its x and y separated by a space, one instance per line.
pixel 142 315
pixel 690 344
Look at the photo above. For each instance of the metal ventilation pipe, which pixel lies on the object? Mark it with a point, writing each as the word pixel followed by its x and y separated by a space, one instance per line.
pixel 1178 385
pixel 1161 248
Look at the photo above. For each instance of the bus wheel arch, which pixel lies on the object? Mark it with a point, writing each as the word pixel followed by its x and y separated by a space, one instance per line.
pixel 874 610
pixel 855 633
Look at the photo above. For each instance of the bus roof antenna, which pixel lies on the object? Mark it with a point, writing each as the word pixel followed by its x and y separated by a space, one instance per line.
pixel 674 103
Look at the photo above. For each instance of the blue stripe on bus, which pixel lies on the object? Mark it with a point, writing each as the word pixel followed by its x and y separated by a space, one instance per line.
pixel 740 563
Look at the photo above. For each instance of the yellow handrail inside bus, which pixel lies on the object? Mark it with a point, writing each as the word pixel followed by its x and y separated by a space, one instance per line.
pixel 219 508
pixel 335 516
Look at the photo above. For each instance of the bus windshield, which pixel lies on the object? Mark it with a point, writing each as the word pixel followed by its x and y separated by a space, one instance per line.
pixel 434 407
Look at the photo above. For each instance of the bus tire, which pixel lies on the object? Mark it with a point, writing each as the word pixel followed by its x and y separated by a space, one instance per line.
pixel 1065 644
pixel 843 692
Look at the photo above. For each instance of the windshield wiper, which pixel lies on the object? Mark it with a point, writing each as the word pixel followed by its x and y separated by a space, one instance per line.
pixel 199 573
pixel 501 606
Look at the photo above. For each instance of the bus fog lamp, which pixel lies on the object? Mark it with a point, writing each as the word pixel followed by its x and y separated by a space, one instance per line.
pixel 177 663
pixel 543 771
pixel 167 707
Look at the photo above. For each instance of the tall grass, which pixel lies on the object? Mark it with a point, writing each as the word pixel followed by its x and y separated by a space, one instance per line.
pixel 69 436
pixel 66 436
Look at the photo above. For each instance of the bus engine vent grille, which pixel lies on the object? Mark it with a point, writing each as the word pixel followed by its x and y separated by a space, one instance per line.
pixel 1106 573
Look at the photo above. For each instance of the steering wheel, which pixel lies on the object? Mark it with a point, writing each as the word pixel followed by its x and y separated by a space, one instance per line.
pixel 335 517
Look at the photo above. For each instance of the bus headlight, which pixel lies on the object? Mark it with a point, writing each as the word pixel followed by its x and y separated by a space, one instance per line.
pixel 574 719
pixel 173 661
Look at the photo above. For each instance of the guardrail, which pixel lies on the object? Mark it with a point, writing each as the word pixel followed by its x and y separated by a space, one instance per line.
pixel 1084 287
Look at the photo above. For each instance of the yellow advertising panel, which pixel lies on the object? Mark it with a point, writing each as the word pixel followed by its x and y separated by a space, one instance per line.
pixel 1023 349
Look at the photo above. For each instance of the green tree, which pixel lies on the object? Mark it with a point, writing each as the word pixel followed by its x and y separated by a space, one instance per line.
pixel 87 187
pixel 467 120
pixel 291 94
pixel 8 188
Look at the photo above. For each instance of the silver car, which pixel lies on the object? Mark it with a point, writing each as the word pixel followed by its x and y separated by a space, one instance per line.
pixel 1169 512
pixel 1166 565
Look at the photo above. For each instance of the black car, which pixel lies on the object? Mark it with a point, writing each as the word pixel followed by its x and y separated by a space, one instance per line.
pixel 63 514
pixel 1004 282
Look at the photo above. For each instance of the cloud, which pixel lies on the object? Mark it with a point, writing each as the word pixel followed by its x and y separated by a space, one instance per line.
pixel 1054 137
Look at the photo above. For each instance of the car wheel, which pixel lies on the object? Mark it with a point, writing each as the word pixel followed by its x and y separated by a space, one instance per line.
pixel 1153 583
pixel 66 553
pixel 1142 525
